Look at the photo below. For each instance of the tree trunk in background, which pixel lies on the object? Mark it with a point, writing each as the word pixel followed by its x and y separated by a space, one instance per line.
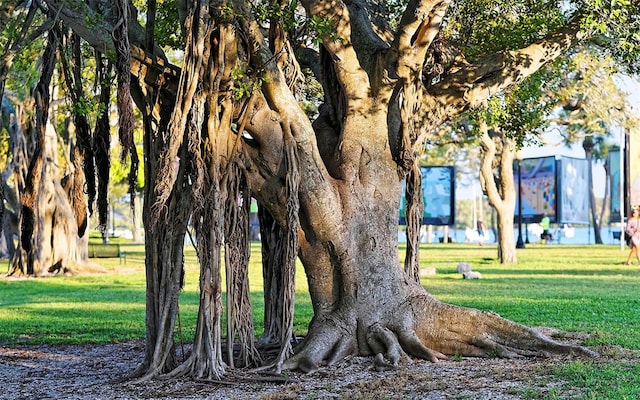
pixel 496 179
pixel 587 145
pixel 49 240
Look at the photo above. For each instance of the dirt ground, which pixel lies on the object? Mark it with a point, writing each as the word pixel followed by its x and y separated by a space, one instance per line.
pixel 96 371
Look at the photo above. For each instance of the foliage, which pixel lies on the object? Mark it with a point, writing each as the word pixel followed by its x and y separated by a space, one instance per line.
pixel 119 170
pixel 167 27
pixel 522 113
pixel 21 57
pixel 594 104
pixel 282 12
pixel 246 82
pixel 617 23
pixel 24 73
pixel 481 27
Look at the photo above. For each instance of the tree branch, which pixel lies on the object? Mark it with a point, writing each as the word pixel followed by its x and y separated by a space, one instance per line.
pixel 419 25
pixel 319 197
pixel 97 32
pixel 470 85
pixel 348 68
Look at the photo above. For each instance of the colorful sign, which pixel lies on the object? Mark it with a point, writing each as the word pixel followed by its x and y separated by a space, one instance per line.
pixel 539 188
pixel 614 187
pixel 438 196
pixel 573 190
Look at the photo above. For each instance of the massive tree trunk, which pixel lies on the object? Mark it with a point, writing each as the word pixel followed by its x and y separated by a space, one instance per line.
pixel 332 187
pixel 349 199
pixel 49 237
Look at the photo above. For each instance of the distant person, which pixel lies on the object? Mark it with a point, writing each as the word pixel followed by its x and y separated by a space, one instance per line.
pixel 480 228
pixel 632 231
pixel 545 224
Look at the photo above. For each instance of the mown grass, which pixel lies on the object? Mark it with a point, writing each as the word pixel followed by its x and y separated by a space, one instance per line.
pixel 574 288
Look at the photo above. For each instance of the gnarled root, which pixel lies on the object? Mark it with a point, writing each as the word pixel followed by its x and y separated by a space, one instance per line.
pixel 330 340
pixel 425 328
pixel 469 332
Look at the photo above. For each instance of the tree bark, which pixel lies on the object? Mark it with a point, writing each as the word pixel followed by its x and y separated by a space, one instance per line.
pixel 496 180
pixel 164 244
pixel 336 182
pixel 49 237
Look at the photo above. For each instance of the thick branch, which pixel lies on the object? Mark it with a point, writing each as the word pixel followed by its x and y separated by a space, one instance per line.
pixel 470 85
pixel 97 33
pixel 319 197
pixel 420 24
pixel 348 68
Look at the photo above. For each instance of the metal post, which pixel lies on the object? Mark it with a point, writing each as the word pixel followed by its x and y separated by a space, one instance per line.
pixel 623 201
pixel 519 243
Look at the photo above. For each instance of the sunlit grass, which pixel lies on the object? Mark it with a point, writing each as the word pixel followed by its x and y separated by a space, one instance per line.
pixel 576 288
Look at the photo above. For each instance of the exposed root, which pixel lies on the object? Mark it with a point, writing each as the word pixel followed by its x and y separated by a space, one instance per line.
pixel 412 345
pixel 427 329
pixel 382 341
pixel 468 332
pixel 327 343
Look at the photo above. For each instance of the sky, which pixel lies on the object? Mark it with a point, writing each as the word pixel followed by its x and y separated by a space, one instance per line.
pixel 555 147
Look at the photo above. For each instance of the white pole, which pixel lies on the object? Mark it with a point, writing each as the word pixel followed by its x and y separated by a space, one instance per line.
pixel 474 215
pixel 623 201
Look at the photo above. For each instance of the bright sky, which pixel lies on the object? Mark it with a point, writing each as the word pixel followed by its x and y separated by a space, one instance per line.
pixel 556 148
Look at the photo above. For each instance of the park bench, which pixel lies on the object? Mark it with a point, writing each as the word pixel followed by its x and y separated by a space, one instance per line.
pixel 107 250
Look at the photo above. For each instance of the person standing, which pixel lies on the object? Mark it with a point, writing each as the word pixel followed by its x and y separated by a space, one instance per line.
pixel 545 224
pixel 480 229
pixel 632 231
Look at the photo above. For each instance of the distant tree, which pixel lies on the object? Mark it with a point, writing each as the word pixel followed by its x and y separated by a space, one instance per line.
pixel 503 126
pixel 593 106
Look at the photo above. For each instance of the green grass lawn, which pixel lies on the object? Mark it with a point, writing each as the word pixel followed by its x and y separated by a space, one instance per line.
pixel 574 288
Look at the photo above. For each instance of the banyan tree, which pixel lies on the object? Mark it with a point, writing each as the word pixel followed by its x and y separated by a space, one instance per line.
pixel 225 123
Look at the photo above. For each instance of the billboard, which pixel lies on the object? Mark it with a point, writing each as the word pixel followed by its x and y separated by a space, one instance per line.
pixel 633 163
pixel 573 190
pixel 614 187
pixel 539 188
pixel 438 196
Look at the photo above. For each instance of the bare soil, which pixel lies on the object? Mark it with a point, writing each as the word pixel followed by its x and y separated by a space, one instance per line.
pixel 77 372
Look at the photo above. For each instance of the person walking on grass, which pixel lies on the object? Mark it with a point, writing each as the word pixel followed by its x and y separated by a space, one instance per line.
pixel 545 224
pixel 633 233
pixel 480 229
